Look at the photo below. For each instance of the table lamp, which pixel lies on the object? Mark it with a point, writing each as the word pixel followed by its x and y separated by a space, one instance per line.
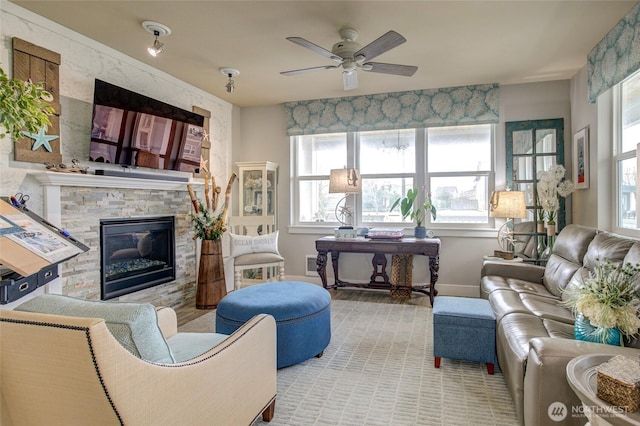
pixel 345 181
pixel 509 205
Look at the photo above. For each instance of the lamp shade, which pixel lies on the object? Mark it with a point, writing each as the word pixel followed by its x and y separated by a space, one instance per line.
pixel 346 181
pixel 508 204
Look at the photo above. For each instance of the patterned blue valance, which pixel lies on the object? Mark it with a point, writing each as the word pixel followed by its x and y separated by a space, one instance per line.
pixel 616 56
pixel 450 106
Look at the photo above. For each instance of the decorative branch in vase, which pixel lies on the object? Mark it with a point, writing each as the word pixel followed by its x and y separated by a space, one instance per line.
pixel 210 219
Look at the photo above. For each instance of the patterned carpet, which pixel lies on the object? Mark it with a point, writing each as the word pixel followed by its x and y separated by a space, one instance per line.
pixel 378 370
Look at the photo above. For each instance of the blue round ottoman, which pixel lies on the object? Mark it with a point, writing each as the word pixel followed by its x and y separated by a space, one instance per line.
pixel 302 312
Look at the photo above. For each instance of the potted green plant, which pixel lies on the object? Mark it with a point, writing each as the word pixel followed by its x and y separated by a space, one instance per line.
pixel 24 105
pixel 416 204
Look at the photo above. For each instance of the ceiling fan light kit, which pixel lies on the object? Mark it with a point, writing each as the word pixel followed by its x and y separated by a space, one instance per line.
pixel 158 30
pixel 350 56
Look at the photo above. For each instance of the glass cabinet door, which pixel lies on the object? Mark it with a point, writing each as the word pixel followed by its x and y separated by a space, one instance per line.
pixel 258 188
pixel 534 146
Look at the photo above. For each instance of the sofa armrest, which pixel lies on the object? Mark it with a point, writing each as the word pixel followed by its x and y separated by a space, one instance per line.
pixel 545 380
pixel 520 271
pixel 167 321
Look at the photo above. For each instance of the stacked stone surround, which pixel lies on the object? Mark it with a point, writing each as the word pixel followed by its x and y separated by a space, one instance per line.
pixel 82 207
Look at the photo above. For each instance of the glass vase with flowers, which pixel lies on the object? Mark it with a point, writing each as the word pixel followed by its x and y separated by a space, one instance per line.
pixel 551 186
pixel 606 304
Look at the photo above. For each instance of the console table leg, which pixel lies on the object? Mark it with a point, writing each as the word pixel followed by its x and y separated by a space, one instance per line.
pixel 321 267
pixel 434 268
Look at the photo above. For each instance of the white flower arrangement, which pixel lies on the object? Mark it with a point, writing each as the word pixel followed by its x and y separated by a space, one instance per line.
pixel 552 185
pixel 609 297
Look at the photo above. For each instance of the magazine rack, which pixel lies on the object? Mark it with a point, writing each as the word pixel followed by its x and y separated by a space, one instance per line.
pixel 30 250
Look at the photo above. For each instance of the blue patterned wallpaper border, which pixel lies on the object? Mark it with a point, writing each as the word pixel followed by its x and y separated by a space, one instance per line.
pixel 616 56
pixel 450 106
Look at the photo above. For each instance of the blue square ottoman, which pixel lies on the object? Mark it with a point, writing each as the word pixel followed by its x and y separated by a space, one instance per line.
pixel 464 328
pixel 302 312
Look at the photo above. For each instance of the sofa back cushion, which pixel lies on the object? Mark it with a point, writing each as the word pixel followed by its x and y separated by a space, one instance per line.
pixel 568 254
pixel 134 325
pixel 606 246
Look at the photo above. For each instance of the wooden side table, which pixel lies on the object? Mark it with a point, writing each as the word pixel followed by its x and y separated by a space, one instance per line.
pixel 581 375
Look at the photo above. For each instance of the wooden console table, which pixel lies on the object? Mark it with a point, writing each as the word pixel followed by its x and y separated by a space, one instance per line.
pixel 429 247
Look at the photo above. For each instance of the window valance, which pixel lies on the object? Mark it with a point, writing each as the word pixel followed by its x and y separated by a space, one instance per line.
pixel 453 106
pixel 616 56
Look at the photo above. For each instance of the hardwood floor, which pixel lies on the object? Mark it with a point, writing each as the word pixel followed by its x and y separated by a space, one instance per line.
pixel 187 311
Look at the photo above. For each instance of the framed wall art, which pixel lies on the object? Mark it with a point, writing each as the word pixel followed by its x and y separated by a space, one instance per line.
pixel 581 158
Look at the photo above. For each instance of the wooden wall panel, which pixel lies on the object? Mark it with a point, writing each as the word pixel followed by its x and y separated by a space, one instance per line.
pixel 41 66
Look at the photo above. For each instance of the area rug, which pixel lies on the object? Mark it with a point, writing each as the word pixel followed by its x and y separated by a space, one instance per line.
pixel 378 370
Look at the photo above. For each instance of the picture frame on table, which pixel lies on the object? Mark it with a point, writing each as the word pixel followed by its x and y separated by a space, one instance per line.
pixel 580 150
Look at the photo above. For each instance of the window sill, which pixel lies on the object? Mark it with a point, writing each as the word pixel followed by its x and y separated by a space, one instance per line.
pixel 323 230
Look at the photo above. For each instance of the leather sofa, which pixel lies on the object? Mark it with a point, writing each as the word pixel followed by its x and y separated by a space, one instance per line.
pixel 534 332
pixel 112 363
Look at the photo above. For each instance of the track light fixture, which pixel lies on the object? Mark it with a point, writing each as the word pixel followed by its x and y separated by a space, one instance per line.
pixel 157 46
pixel 158 30
pixel 230 73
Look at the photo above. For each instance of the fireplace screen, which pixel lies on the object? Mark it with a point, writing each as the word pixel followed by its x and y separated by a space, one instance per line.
pixel 136 253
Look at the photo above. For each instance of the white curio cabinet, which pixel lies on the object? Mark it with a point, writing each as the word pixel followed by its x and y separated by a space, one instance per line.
pixel 258 185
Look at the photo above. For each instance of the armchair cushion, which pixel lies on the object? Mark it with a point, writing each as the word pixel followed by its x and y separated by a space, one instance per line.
pixel 186 346
pixel 134 325
pixel 257 259
pixel 245 244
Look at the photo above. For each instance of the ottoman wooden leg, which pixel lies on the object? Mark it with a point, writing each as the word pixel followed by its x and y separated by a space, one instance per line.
pixel 436 362
pixel 490 368
pixel 320 354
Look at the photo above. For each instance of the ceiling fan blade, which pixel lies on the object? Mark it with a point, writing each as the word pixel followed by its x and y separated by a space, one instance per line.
pixel 315 48
pixel 406 70
pixel 377 47
pixel 306 70
pixel 350 80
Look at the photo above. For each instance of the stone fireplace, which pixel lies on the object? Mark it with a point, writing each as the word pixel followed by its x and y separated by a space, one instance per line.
pixel 78 203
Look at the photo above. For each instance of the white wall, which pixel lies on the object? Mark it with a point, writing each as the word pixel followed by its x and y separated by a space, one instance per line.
pixel 584 114
pixel 84 60
pixel 263 137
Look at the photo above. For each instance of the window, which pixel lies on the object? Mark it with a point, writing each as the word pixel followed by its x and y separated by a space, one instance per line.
pixel 625 153
pixel 454 164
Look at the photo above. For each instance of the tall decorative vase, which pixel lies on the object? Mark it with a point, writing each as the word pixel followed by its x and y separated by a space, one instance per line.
pixel 583 330
pixel 551 238
pixel 540 236
pixel 211 284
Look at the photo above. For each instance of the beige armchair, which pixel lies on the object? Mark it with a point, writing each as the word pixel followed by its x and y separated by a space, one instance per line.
pixel 63 370
pixel 254 245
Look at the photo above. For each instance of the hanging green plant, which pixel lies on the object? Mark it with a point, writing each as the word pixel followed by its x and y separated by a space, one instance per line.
pixel 24 105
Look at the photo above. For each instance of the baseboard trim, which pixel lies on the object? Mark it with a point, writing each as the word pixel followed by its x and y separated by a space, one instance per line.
pixel 444 289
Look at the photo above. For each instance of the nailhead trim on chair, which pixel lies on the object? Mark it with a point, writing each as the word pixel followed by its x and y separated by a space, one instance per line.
pixel 93 357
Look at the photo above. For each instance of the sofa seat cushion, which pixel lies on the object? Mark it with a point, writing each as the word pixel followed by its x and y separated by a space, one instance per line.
pixel 186 346
pixel 547 308
pixel 494 282
pixel 134 325
pixel 558 330
pixel 505 302
pixel 512 346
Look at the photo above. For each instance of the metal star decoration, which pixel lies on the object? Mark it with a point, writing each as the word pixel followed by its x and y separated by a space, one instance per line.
pixel 40 139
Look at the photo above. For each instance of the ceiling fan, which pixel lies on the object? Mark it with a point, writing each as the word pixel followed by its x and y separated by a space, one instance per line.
pixel 350 56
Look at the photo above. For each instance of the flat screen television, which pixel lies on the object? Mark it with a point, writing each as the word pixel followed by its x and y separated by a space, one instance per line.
pixel 133 130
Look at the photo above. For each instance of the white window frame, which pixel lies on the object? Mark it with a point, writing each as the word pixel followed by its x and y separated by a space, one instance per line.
pixel 421 178
pixel 618 157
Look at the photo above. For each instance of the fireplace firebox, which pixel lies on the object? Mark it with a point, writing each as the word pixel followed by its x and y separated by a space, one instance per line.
pixel 136 253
